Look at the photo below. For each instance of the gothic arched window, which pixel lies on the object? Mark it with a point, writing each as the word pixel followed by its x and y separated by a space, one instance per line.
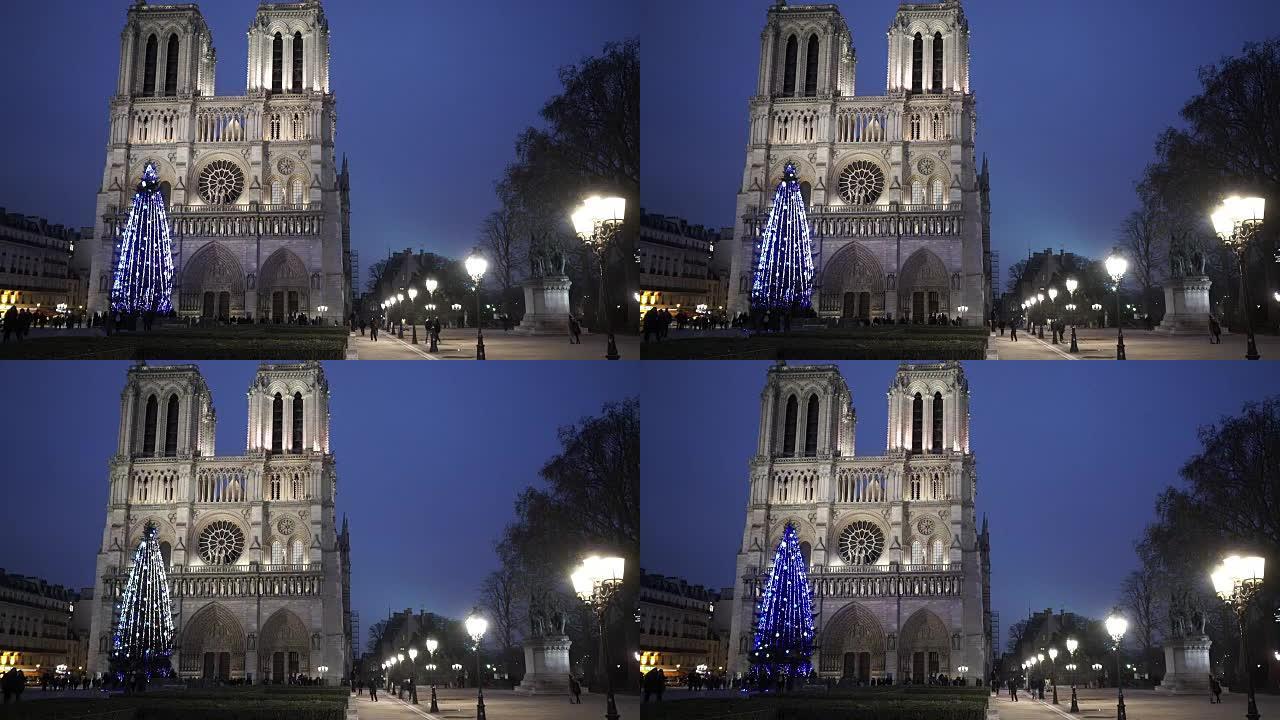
pixel 789 429
pixel 938 557
pixel 149 66
pixel 149 426
pixel 917 423
pixel 297 422
pixel 917 192
pixel 171 427
pixel 937 422
pixel 297 193
pixel 917 553
pixel 277 193
pixel 277 63
pixel 277 553
pixel 166 552
pixel 937 62
pixel 937 192
pixel 297 557
pixel 917 62
pixel 789 68
pixel 297 62
pixel 811 68
pixel 915 126
pixel 806 551
pixel 277 422
pixel 811 427
pixel 806 192
pixel 171 67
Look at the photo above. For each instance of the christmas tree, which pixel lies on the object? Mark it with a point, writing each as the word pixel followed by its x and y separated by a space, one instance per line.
pixel 143 640
pixel 783 640
pixel 143 280
pixel 783 276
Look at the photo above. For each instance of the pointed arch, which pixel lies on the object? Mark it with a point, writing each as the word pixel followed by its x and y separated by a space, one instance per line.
pixel 284 646
pixel 937 196
pixel 297 62
pixel 924 647
pixel 277 424
pixel 789 427
pixel 277 552
pixel 811 427
pixel 917 424
pixel 811 67
pixel 936 446
pixel 853 631
pixel 939 555
pixel 212 644
pixel 171 66
pixel 149 65
pixel 277 63
pixel 917 553
pixel 296 444
pixel 917 192
pixel 925 285
pixel 171 427
pixel 917 63
pixel 297 554
pixel 277 193
pixel 283 286
pixel 211 279
pixel 789 66
pixel 149 425
pixel 937 62
pixel 295 194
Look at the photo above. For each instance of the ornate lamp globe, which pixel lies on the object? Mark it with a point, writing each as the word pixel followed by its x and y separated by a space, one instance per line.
pixel 476 625
pixel 1072 284
pixel 413 654
pixel 432 644
pixel 1039 297
pixel 399 297
pixel 1116 267
pixel 1234 212
pixel 1039 658
pixel 1097 667
pixel 1235 572
pixel 594 211
pixel 399 657
pixel 1053 293
pixel 1116 628
pixel 594 572
pixel 413 293
pixel 1072 644
pixel 476 267
pixel 431 285
pixel 1053 653
pixel 1097 307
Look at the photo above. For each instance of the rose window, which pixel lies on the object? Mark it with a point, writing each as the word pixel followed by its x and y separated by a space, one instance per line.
pixel 221 182
pixel 221 543
pixel 861 543
pixel 285 526
pixel 925 526
pixel 861 183
pixel 285 166
pixel 925 166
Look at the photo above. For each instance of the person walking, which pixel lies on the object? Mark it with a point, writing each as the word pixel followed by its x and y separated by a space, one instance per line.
pixel 373 331
pixel 1215 331
pixel 575 691
pixel 1216 688
pixel 1013 331
pixel 575 330
pixel 373 689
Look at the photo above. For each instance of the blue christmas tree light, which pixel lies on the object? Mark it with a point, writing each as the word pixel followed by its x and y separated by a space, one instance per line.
pixel 143 637
pixel 783 278
pixel 783 643
pixel 143 278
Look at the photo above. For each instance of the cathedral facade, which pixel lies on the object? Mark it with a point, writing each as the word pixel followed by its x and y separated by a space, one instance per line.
pixel 259 572
pixel 900 213
pixel 899 569
pixel 259 209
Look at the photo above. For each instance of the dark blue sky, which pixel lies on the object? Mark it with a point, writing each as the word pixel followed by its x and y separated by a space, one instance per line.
pixel 429 463
pixel 1070 458
pixel 431 95
pixel 1071 96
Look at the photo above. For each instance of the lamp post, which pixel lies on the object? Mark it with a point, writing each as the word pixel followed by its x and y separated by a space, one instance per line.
pixel 1053 672
pixel 1097 672
pixel 1053 300
pixel 1237 221
pixel 962 669
pixel 476 266
pixel 962 309
pixel 1237 581
pixel 430 284
pixel 1116 267
pixel 400 300
pixel 1072 643
pixel 598 221
pixel 1116 627
pixel 597 582
pixel 413 314
pixel 432 644
pixel 1040 301
pixel 323 669
pixel 476 625
pixel 413 677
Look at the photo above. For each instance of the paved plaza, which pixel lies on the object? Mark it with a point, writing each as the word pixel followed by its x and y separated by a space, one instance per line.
pixel 1138 704
pixel 460 344
pixel 1100 344
pixel 498 705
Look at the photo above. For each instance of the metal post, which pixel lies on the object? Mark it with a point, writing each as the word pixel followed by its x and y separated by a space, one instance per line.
pixel 1053 678
pixel 1074 347
pixel 1119 678
pixel 434 707
pixel 1241 611
pixel 1251 352
pixel 611 708
pixel 1119 356
pixel 479 347
pixel 479 677
pixel 612 352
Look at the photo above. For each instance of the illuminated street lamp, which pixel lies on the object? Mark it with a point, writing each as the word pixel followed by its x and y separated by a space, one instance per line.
pixel 1237 581
pixel 413 652
pixel 1116 627
pixel 432 643
pixel 598 222
pixel 1116 267
pixel 1237 221
pixel 476 625
pixel 1073 643
pixel 476 265
pixel 430 284
pixel 597 582
pixel 1053 665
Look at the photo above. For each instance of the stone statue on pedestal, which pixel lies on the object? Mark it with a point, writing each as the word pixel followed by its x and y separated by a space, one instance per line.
pixel 546 651
pixel 547 257
pixel 1186 650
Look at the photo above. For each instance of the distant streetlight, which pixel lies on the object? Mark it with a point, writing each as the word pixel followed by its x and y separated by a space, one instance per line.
pixel 1116 267
pixel 476 625
pixel 1073 643
pixel 432 643
pixel 1237 221
pixel 1116 627
pixel 476 265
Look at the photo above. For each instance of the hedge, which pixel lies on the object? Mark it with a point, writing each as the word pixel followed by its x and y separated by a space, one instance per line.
pixel 265 342
pixel 171 707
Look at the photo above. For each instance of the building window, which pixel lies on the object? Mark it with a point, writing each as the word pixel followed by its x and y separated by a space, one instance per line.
pixel 149 66
pixel 917 193
pixel 937 62
pixel 789 429
pixel 917 423
pixel 915 126
pixel 811 68
pixel 277 553
pixel 297 422
pixel 277 193
pixel 297 557
pixel 811 427
pixel 171 428
pixel 937 192
pixel 789 69
pixel 917 553
pixel 277 62
pixel 937 422
pixel 917 62
pixel 297 62
pixel 277 423
pixel 297 192
pixel 938 557
pixel 171 67
pixel 149 427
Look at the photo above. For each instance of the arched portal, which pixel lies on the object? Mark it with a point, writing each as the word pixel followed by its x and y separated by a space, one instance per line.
pixel 212 645
pixel 283 287
pixel 212 284
pixel 924 647
pixel 853 645
pixel 925 287
pixel 853 284
pixel 283 647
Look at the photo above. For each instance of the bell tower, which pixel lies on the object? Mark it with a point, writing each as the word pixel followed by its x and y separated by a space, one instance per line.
pixel 806 51
pixel 929 49
pixel 806 411
pixel 289 48
pixel 289 410
pixel 929 410
pixel 166 411
pixel 165 51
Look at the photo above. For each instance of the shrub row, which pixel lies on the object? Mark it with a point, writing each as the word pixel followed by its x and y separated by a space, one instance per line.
pixel 180 346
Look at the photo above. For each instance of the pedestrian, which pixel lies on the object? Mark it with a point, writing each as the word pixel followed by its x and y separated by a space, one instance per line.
pixel 575 330
pixel 373 331
pixel 650 324
pixel 1215 331
pixel 1013 331
pixel 575 691
pixel 1216 688
pixel 373 689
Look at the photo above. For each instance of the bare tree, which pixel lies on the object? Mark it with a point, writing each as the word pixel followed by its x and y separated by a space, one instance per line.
pixel 1139 597
pixel 376 632
pixel 1141 234
pixel 500 236
pixel 376 271
pixel 498 594
pixel 1017 631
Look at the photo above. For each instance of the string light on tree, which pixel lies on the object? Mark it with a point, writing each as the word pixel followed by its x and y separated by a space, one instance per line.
pixel 143 639
pixel 143 279
pixel 783 277
pixel 783 643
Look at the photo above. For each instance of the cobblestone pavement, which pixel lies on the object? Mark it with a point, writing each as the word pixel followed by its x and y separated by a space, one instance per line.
pixel 460 344
pixel 498 705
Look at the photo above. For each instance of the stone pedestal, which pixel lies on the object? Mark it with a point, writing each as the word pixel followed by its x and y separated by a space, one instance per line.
pixel 546 663
pixel 1186 663
pixel 1186 307
pixel 546 306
